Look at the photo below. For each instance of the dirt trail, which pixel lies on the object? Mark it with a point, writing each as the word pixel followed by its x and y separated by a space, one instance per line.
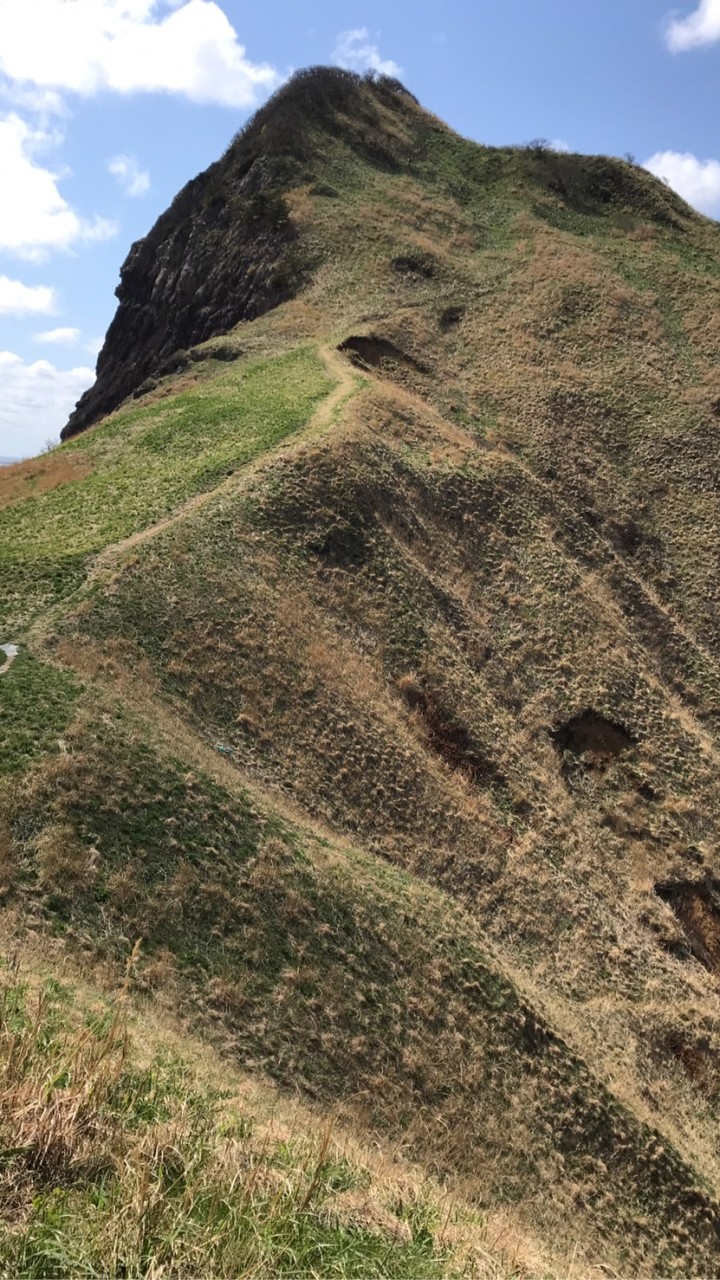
pixel 347 381
pixel 11 652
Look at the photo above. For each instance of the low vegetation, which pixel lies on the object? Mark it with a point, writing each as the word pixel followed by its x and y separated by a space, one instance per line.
pixel 112 1166
pixel 370 679
pixel 352 980
pixel 56 513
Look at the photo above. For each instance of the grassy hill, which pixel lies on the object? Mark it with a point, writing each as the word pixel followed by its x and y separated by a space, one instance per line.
pixel 365 720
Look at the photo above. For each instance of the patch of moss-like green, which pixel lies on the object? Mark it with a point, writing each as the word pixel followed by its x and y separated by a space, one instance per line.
pixel 144 462
pixel 36 705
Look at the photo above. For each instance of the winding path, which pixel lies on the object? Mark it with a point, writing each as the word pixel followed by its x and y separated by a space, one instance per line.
pixel 346 380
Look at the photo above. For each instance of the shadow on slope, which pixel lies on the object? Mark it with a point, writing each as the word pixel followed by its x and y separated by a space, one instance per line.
pixel 350 981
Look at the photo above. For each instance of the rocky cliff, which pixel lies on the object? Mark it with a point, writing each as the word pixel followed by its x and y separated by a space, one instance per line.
pixel 227 250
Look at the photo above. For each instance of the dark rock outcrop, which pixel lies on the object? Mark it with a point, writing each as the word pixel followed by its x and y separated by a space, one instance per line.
pixel 226 250
pixel 222 253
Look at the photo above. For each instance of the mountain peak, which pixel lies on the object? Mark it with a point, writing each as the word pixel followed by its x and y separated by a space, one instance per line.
pixel 230 247
pixel 222 252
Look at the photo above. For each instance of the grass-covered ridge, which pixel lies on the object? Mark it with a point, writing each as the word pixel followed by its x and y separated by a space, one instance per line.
pixel 137 467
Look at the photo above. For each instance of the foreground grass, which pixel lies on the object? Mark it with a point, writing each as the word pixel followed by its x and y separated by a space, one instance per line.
pixel 110 1168
pixel 136 467
pixel 342 978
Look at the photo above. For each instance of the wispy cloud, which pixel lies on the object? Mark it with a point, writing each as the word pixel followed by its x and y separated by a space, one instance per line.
pixel 355 51
pixel 127 172
pixel 701 27
pixel 36 401
pixel 58 337
pixel 18 299
pixel 697 181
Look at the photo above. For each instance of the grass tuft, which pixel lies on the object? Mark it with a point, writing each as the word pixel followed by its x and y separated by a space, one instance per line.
pixel 112 1169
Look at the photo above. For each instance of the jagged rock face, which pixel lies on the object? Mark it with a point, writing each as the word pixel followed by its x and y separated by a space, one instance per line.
pixel 220 254
pixel 226 250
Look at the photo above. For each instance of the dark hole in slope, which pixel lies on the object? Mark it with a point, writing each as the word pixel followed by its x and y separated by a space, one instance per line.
pixel 697 908
pixel 448 739
pixel 696 1055
pixel 634 541
pixel 344 546
pixel 378 353
pixel 450 317
pixel 414 265
pixel 590 742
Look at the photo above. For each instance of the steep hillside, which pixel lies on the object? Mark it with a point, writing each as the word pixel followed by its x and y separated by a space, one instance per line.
pixel 368 664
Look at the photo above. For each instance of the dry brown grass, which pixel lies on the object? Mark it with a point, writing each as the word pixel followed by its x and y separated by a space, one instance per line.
pixel 20 480
pixel 522 533
pixel 68 1133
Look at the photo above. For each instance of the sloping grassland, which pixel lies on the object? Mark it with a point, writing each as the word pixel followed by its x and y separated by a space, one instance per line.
pixel 390 727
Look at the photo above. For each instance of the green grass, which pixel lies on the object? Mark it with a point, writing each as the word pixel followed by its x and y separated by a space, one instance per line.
pixel 36 705
pixel 332 973
pixel 145 462
pixel 577 349
pixel 113 1169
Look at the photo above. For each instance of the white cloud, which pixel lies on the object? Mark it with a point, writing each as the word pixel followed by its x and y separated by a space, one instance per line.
pixel 17 299
pixel 188 47
pixel 94 346
pixel 697 181
pixel 36 402
pixel 58 336
pixel 699 28
pixel 559 144
pixel 34 217
pixel 133 180
pixel 355 52
pixel 43 103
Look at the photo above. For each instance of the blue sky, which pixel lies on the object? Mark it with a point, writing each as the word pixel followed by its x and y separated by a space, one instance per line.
pixel 107 107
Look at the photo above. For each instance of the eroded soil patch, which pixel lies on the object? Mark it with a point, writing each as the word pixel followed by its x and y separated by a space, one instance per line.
pixel 696 1055
pixel 344 546
pixel 445 737
pixel 450 317
pixel 697 908
pixel 420 266
pixel 590 743
pixel 378 353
